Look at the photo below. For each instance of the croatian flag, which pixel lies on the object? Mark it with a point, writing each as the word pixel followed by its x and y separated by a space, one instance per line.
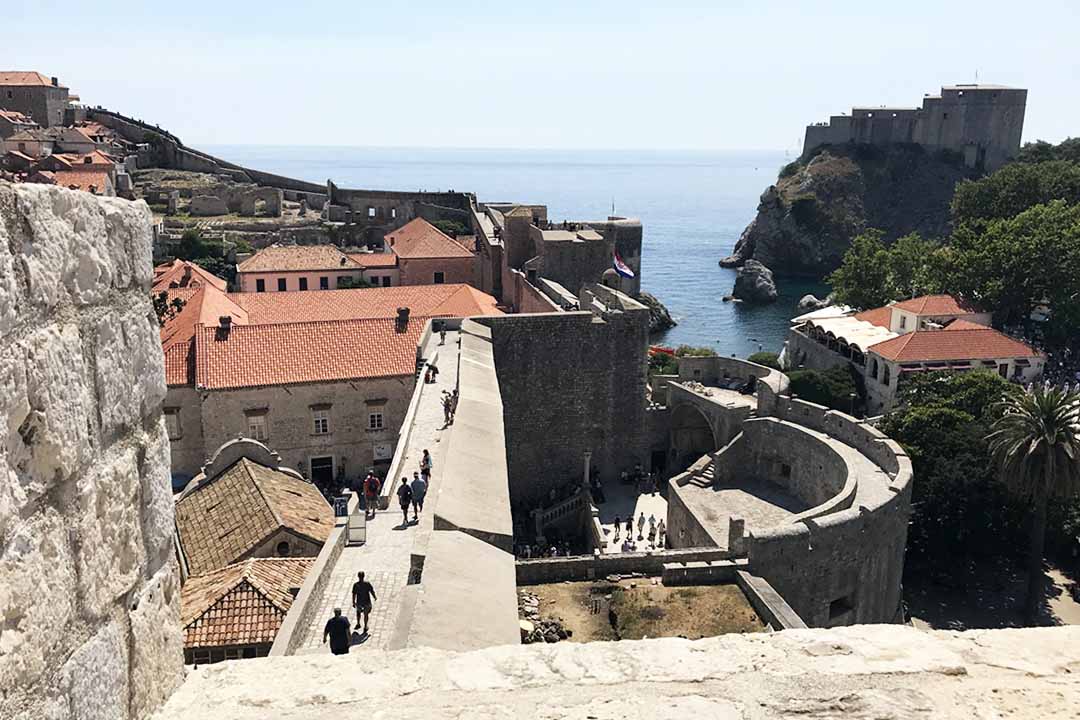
pixel 622 268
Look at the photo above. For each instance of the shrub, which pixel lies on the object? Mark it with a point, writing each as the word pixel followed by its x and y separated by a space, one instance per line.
pixel 790 169
pixel 832 388
pixel 768 359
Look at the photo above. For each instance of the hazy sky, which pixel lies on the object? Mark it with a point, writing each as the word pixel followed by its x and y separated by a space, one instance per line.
pixel 584 74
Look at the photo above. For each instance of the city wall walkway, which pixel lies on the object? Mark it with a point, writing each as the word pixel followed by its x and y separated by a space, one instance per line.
pixel 385 557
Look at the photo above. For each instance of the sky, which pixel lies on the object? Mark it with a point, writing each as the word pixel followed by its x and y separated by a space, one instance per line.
pixel 555 74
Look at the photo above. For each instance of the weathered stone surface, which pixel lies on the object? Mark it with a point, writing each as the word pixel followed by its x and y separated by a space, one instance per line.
pixel 9 286
pixel 110 548
pixel 37 600
pixel 157 499
pixel 157 642
pixel 810 302
pixel 754 283
pixel 884 672
pixel 95 678
pixel 659 317
pixel 207 205
pixel 124 348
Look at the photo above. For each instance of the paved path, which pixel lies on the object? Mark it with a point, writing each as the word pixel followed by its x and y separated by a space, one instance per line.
pixel 385 557
pixel 623 501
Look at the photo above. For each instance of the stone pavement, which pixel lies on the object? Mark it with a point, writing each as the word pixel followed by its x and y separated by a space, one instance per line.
pixel 385 557
pixel 623 501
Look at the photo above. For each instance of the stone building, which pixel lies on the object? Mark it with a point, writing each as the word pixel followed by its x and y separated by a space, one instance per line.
pixel 12 121
pixel 42 98
pixel 281 268
pixel 886 345
pixel 427 256
pixel 982 123
pixel 323 376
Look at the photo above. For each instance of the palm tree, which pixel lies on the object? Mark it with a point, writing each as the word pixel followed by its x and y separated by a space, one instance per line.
pixel 1035 444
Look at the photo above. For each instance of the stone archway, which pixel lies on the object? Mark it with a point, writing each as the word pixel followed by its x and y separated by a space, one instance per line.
pixel 691 436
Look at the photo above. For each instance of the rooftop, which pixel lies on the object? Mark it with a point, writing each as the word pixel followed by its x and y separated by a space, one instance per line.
pixel 229 516
pixel 24 78
pixel 297 258
pixel 966 342
pixel 240 604
pixel 420 239
pixel 937 305
pixel 374 259
pixel 16 117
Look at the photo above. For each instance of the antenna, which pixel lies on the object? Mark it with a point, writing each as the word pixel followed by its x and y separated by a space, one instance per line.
pixel 612 204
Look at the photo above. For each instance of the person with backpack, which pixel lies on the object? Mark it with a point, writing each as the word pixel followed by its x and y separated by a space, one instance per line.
pixel 404 494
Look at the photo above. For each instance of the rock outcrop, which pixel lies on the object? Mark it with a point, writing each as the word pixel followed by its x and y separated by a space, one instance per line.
pixel 806 221
pixel 810 302
pixel 754 283
pixel 89 590
pixel 878 672
pixel 659 317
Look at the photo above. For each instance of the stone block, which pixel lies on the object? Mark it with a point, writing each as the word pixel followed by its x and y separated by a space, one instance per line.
pixel 109 544
pixel 95 677
pixel 9 285
pixel 157 642
pixel 247 205
pixel 37 600
pixel 157 506
pixel 62 409
pixel 207 205
pixel 126 347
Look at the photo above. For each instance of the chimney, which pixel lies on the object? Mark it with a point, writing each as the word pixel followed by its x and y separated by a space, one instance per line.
pixel 225 322
pixel 55 82
pixel 186 278
pixel 402 319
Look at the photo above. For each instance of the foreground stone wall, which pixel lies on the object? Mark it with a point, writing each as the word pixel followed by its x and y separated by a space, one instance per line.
pixel 89 592
pixel 867 672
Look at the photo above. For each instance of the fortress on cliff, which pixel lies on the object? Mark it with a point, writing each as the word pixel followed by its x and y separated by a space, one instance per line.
pixel 981 122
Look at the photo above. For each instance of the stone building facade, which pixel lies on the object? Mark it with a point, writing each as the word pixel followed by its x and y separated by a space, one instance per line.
pixel 89 589
pixel 42 98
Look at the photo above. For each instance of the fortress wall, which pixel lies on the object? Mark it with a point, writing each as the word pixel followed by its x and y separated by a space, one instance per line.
pixel 89 590
pixel 790 458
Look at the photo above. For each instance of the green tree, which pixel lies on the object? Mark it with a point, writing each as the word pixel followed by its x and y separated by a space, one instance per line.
pixel 192 245
pixel 1042 151
pixel 166 309
pixel 348 282
pixel 873 274
pixel 768 359
pixel 1035 446
pixel 1013 189
pixel 453 228
pixel 833 388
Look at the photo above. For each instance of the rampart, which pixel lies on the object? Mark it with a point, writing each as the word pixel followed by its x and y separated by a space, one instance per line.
pixel 89 588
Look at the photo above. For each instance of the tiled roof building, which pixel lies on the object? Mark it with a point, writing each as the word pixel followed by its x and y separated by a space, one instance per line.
pixel 295 258
pixel 250 510
pixel 236 611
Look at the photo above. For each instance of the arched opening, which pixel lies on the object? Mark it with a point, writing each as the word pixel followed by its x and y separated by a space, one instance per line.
pixel 282 549
pixel 691 437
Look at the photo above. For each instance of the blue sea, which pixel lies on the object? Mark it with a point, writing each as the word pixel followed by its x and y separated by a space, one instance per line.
pixel 693 205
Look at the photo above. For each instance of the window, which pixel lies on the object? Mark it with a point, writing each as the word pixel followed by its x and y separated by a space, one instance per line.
pixel 375 421
pixel 260 286
pixel 322 421
pixel 232 653
pixel 200 657
pixel 324 283
pixel 282 285
pixel 9 94
pixel 172 422
pixel 886 376
pixel 440 278
pixel 303 283
pixel 371 212
pixel 903 322
pixel 393 212
pixel 282 549
pixel 257 427
pixel 386 281
pixel 343 281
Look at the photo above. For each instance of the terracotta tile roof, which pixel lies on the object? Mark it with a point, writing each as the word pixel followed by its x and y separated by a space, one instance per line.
pixel 20 155
pixel 420 239
pixel 180 363
pixel 423 301
pixel 180 273
pixel 964 343
pixel 16 117
pixel 96 181
pixel 937 305
pixel 374 259
pixel 96 159
pixel 230 516
pixel 16 77
pixel 289 353
pixel 878 316
pixel 297 258
pixel 241 604
pixel 962 324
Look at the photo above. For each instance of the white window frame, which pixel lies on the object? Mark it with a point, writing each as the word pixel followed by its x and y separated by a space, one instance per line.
pixel 376 421
pixel 321 420
pixel 257 427
pixel 172 424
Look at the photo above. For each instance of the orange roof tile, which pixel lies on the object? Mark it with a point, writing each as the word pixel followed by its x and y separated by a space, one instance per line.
pixel 181 273
pixel 297 258
pixel 288 353
pixel 962 324
pixel 14 116
pixel 241 604
pixel 420 239
pixel 16 77
pixel 960 344
pixel 374 259
pixel 937 305
pixel 96 181
pixel 226 518
pixel 878 316
pixel 423 301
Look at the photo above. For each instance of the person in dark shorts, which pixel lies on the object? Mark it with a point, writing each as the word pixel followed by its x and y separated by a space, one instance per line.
pixel 362 596
pixel 338 630
pixel 404 495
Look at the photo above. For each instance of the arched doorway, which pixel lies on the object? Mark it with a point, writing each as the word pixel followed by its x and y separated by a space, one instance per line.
pixel 691 437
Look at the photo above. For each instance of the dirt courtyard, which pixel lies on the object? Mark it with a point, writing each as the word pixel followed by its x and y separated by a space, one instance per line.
pixel 633 609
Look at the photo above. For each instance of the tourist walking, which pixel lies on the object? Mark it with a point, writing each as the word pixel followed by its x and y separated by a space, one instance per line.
pixel 630 525
pixel 404 494
pixel 453 404
pixel 447 415
pixel 434 372
pixel 652 526
pixel 363 593
pixel 338 631
pixel 372 486
pixel 641 526
pixel 425 464
pixel 661 531
pixel 442 336
pixel 618 527
pixel 419 490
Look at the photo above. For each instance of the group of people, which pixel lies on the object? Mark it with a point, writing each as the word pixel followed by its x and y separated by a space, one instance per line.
pixel 413 493
pixel 656 536
pixel 431 373
pixel 527 551
pixel 337 630
pixel 371 487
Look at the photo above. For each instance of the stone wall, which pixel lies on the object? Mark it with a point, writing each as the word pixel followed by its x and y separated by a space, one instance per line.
pixel 88 585
pixel 588 567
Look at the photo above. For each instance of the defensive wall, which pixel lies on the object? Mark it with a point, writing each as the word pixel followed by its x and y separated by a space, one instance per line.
pixel 837 558
pixel 89 588
pixel 984 123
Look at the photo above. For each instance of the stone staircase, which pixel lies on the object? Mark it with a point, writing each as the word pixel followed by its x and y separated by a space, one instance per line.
pixel 704 477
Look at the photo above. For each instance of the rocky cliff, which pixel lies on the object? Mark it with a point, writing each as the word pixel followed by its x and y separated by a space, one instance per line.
pixel 807 220
pixel 89 593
